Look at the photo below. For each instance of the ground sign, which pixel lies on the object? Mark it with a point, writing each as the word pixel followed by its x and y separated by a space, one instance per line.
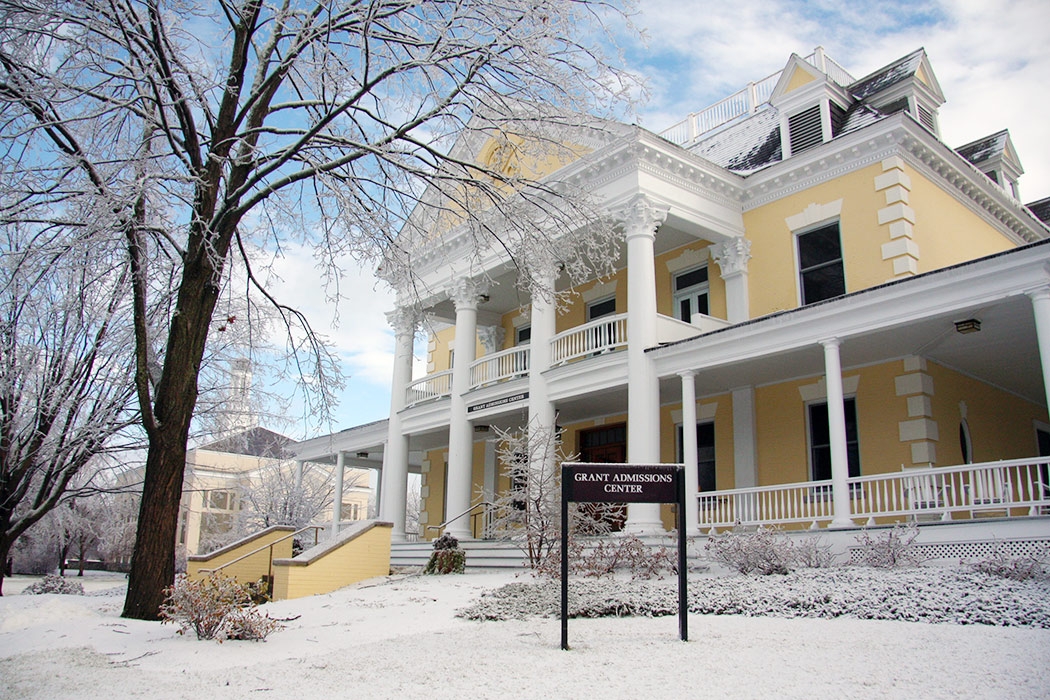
pixel 622 483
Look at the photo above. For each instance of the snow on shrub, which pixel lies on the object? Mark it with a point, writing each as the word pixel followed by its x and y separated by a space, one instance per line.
pixel 1019 568
pixel 215 607
pixel 600 557
pixel 54 584
pixel 447 557
pixel 891 548
pixel 958 596
pixel 761 551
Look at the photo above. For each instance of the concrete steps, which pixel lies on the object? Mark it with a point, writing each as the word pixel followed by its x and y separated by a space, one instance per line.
pixel 481 554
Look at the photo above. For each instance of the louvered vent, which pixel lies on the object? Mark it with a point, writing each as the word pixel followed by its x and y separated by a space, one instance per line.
pixel 804 130
pixel 900 105
pixel 838 119
pixel 926 118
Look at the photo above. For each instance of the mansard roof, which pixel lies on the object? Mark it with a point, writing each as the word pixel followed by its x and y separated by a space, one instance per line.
pixel 985 149
pixel 1041 209
pixel 888 76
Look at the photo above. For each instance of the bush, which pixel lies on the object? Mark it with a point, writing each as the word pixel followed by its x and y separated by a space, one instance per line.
pixel 54 584
pixel 216 607
pixel 1003 565
pixel 890 549
pixel 447 557
pixel 763 551
pixel 601 557
pixel 814 553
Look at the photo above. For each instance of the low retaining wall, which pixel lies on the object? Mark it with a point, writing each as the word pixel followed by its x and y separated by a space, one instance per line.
pixel 360 552
pixel 252 567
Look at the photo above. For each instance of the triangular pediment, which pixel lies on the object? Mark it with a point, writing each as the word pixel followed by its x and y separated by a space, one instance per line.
pixel 797 74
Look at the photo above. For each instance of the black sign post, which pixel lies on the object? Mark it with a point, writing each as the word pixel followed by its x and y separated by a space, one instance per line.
pixel 622 483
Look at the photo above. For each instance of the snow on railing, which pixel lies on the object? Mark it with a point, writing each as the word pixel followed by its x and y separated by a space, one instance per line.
pixel 1008 488
pixel 602 335
pixel 745 101
pixel 506 364
pixel 432 386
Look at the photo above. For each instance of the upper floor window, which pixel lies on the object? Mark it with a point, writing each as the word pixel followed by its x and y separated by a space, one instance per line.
pixel 604 307
pixel 522 335
pixel 821 274
pixel 690 293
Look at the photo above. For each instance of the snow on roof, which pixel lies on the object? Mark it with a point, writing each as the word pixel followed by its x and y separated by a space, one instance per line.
pixel 746 146
pixel 985 148
pixel 1041 209
pixel 256 442
pixel 889 75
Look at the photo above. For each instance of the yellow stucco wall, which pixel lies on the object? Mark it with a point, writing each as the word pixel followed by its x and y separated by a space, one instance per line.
pixel 1002 425
pixel 945 231
pixel 365 556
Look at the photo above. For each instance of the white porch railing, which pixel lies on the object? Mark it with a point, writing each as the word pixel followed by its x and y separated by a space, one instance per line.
pixel 808 502
pixel 602 335
pixel 745 101
pixel 498 366
pixel 432 386
pixel 1007 488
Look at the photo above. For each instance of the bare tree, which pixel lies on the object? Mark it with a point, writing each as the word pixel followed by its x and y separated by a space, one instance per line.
pixel 278 495
pixel 203 131
pixel 65 362
pixel 528 512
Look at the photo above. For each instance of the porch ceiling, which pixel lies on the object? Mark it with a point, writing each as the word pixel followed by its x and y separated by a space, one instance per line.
pixel 912 317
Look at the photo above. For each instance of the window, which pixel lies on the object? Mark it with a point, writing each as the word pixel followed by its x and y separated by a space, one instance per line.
pixel 820 440
pixel 705 455
pixel 221 500
pixel 820 264
pixel 597 309
pixel 690 293
pixel 523 335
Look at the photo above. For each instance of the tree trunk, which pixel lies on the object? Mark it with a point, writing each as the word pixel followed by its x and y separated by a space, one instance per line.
pixel 153 561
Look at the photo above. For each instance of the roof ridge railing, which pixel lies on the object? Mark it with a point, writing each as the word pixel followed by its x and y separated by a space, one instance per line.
pixel 746 101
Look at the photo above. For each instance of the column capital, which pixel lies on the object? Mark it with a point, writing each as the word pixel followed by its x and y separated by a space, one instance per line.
pixel 1039 294
pixel 831 342
pixel 732 256
pixel 466 292
pixel 687 373
pixel 641 217
pixel 404 320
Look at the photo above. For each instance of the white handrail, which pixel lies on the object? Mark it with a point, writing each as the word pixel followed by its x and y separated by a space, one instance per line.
pixel 432 386
pixel 602 335
pixel 499 366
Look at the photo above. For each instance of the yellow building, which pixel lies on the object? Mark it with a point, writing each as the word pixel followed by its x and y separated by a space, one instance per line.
pixel 250 470
pixel 832 317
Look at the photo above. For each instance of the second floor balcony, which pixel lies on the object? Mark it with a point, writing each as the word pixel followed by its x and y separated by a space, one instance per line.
pixel 599 337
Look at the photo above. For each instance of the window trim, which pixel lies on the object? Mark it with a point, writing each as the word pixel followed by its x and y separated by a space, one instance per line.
pixel 808 407
pixel 678 295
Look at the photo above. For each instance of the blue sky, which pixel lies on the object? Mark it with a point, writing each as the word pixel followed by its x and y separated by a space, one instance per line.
pixel 990 57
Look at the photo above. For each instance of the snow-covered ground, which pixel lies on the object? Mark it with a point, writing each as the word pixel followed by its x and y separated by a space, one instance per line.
pixel 400 637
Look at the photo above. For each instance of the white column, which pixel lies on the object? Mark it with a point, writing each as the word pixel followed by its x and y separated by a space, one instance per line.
pixel 692 477
pixel 465 295
pixel 337 494
pixel 393 486
pixel 745 457
pixel 541 410
pixel 641 219
pixel 837 431
pixel 1041 307
pixel 732 257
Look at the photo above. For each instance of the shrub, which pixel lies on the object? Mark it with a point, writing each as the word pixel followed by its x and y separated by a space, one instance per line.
pixel 890 549
pixel 54 584
pixel 814 553
pixel 763 551
pixel 447 557
pixel 1003 565
pixel 215 607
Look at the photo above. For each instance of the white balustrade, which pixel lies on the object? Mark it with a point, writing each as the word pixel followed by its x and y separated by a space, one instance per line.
pixel 1006 488
pixel 432 386
pixel 500 366
pixel 602 335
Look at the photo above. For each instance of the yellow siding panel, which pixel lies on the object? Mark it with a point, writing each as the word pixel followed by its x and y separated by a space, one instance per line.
pixel 362 557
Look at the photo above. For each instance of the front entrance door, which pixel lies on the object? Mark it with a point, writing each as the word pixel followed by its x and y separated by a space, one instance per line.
pixel 606 445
